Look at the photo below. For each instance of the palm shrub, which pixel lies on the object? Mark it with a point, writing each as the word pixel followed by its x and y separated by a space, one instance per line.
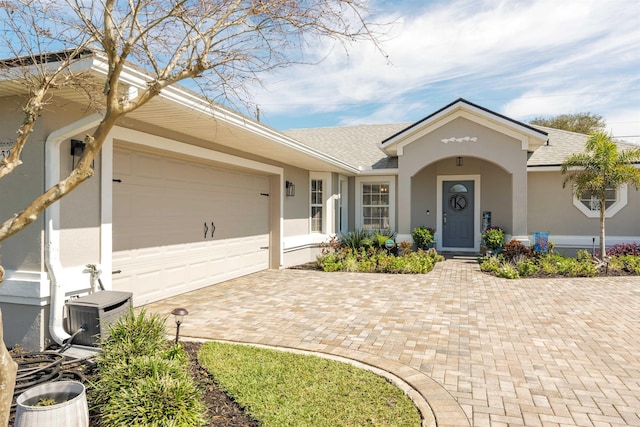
pixel 356 239
pixel 380 238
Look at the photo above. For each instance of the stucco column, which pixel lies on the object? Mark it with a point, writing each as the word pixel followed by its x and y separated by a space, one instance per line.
pixel 403 207
pixel 519 205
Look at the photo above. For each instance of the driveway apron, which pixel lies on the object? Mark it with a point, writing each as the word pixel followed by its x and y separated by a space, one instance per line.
pixel 492 352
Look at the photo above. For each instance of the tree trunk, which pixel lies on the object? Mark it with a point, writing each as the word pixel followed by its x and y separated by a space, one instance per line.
pixel 8 371
pixel 603 252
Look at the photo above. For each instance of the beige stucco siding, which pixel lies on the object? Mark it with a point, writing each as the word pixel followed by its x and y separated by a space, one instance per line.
pixel 498 158
pixel 80 216
pixel 551 209
pixel 17 190
pixel 491 145
pixel 495 190
pixel 296 208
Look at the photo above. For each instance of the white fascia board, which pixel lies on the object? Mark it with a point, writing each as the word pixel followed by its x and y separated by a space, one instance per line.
pixel 181 96
pixel 461 109
pixel 371 172
pixel 543 168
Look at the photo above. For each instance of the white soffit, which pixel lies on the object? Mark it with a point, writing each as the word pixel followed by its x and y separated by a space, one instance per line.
pixel 183 112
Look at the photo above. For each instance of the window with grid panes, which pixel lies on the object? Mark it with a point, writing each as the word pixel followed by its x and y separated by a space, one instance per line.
pixel 316 205
pixel 375 206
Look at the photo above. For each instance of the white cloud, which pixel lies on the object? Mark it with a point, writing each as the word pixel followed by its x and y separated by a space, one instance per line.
pixel 537 57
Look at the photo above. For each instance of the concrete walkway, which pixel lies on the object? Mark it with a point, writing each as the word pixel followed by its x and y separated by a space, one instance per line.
pixel 482 351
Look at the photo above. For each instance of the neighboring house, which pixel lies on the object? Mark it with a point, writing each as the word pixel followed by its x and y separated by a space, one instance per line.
pixel 188 194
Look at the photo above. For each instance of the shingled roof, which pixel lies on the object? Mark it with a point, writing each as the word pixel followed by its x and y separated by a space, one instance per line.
pixel 359 145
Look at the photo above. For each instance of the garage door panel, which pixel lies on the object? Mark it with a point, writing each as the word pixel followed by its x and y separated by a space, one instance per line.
pixel 160 211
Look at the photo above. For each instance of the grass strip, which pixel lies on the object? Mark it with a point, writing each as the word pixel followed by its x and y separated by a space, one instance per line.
pixel 288 389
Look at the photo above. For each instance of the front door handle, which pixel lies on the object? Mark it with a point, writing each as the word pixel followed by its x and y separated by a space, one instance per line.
pixel 444 218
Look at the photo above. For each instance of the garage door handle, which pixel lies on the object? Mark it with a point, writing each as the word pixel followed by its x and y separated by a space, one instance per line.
pixel 116 272
pixel 264 247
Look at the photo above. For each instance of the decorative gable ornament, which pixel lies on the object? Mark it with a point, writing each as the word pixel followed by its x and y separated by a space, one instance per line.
pixel 462 139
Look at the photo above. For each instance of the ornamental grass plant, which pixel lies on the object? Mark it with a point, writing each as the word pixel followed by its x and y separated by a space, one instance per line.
pixel 143 380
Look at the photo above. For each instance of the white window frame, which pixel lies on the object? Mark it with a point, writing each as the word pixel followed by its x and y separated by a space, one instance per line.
pixel 621 202
pixel 343 205
pixel 389 180
pixel 326 199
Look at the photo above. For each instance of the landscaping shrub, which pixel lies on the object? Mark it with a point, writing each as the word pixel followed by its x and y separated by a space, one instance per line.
pixel 507 271
pixel 543 264
pixel 356 239
pixel 380 238
pixel 493 238
pixel 159 400
pixel 422 236
pixel 515 250
pixel 556 264
pixel 631 263
pixel 143 379
pixel 489 264
pixel 527 267
pixel 379 260
pixel 624 249
pixel 134 335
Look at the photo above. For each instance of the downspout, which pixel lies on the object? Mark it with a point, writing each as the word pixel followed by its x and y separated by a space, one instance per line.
pixel 52 222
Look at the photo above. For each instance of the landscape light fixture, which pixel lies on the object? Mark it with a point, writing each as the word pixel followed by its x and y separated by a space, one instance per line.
pixel 179 314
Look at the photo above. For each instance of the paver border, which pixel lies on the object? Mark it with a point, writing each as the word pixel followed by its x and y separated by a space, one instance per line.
pixel 436 405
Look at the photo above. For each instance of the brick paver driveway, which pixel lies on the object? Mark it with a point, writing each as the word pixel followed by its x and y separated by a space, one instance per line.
pixel 558 352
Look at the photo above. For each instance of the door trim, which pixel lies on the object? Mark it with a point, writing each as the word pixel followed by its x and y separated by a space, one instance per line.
pixel 476 212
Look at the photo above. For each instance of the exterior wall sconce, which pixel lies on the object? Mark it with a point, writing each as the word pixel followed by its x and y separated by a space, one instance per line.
pixel 291 188
pixel 179 314
pixel 458 161
pixel 77 149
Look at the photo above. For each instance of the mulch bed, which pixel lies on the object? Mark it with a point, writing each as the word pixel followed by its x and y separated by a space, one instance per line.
pixel 223 411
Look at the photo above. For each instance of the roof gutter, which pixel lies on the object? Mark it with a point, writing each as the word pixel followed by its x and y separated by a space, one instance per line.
pixel 52 222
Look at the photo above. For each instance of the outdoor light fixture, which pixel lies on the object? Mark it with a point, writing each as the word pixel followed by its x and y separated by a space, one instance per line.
pixel 179 314
pixel 291 188
pixel 77 149
pixel 458 161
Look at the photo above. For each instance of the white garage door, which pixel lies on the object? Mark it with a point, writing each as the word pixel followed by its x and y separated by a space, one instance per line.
pixel 180 225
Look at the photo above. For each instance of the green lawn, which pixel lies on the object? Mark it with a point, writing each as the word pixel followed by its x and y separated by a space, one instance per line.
pixel 287 389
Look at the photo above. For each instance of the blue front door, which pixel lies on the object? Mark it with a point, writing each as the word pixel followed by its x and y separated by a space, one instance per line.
pixel 457 214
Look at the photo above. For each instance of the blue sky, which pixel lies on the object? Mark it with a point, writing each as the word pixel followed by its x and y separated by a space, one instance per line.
pixel 519 58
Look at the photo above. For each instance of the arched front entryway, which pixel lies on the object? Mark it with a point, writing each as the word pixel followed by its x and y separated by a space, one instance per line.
pixel 451 196
pixel 463 143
